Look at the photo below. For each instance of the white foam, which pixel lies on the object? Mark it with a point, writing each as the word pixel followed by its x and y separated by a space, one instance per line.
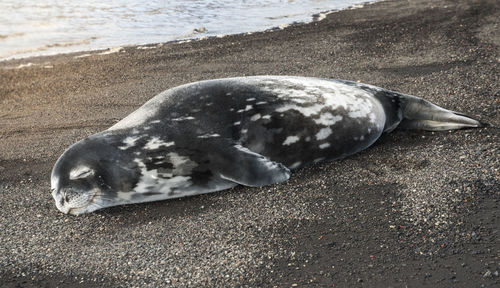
pixel 111 51
pixel 25 65
pixel 82 56
pixel 321 16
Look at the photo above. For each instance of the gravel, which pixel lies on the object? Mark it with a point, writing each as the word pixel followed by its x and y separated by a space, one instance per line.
pixel 417 209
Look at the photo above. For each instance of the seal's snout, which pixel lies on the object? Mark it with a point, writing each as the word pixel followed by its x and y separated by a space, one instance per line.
pixel 73 201
pixel 60 202
pixel 79 184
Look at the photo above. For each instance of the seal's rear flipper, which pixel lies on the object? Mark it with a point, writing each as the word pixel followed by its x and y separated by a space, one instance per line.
pixel 242 166
pixel 421 114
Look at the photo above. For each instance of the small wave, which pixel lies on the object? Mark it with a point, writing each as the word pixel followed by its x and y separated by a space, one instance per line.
pixel 25 65
pixel 49 28
pixel 16 52
pixel 69 44
pixel 111 51
pixel 18 34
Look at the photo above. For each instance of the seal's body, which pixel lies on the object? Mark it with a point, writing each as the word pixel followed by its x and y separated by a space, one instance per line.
pixel 212 135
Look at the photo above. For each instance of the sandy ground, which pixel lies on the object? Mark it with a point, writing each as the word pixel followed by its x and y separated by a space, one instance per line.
pixel 417 209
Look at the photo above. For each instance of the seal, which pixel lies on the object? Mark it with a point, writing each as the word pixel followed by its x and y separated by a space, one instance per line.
pixel 212 135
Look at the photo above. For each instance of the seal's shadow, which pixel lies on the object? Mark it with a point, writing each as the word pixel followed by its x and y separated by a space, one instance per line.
pixel 190 206
pixel 403 138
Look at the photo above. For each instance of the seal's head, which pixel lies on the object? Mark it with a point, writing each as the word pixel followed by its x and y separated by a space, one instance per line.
pixel 88 175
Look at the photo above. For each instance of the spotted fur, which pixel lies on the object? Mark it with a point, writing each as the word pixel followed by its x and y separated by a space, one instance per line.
pixel 212 135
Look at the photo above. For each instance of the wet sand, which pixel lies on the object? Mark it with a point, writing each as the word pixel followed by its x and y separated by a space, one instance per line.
pixel 417 209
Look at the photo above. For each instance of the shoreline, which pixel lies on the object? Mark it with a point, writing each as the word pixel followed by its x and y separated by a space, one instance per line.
pixel 417 208
pixel 316 17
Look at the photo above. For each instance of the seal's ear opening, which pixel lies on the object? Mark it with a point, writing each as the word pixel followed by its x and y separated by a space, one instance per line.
pixel 421 114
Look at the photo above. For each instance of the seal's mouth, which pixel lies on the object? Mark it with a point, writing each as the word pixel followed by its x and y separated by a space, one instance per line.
pixel 82 209
pixel 77 210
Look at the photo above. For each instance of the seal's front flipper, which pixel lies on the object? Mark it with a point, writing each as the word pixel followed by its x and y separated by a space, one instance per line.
pixel 242 166
pixel 421 114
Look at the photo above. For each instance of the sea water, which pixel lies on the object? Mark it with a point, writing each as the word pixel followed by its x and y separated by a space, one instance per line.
pixel 45 27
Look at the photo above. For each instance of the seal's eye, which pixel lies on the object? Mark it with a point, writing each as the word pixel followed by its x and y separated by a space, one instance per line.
pixel 81 172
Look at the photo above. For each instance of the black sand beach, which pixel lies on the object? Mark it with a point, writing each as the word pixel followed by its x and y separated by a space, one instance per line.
pixel 418 209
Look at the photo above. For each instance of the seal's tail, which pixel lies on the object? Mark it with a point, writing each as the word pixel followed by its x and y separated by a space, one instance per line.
pixel 421 114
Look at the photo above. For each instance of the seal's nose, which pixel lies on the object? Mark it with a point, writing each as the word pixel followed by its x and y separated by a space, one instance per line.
pixel 59 199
